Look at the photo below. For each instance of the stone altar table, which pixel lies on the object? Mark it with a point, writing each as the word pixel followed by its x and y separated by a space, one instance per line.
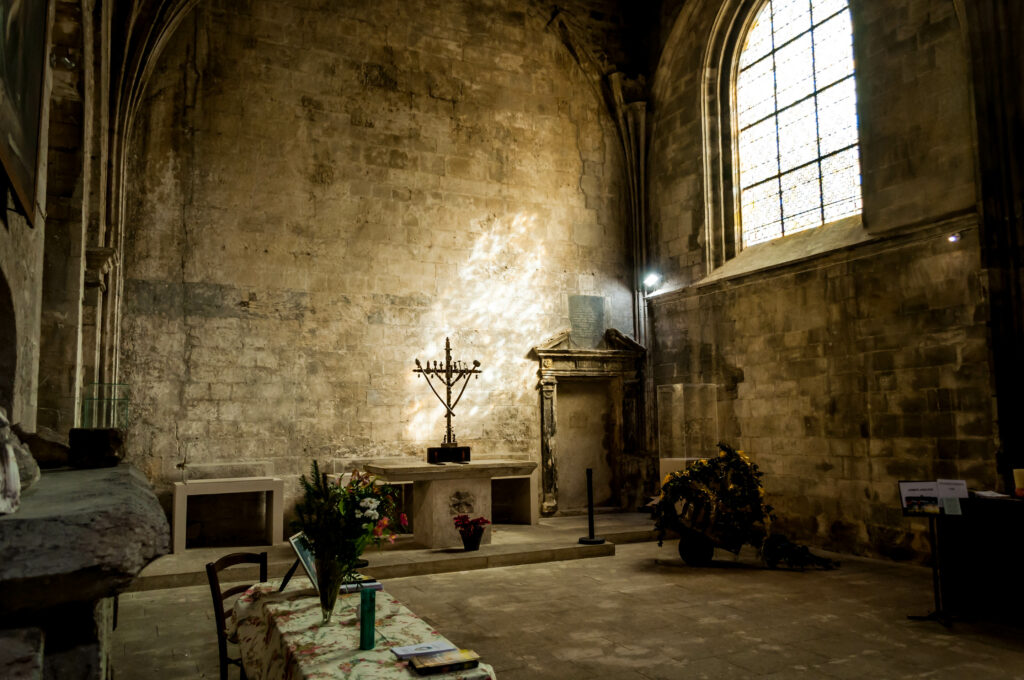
pixel 442 491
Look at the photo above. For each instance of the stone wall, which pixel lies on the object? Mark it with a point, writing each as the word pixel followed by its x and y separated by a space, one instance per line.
pixel 21 267
pixel 318 197
pixel 846 367
pixel 21 274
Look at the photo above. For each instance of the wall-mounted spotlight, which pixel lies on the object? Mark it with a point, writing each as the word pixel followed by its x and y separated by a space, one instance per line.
pixel 652 281
pixel 954 237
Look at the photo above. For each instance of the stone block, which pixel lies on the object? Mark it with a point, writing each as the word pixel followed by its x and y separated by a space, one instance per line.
pixel 21 653
pixel 10 480
pixel 437 503
pixel 19 469
pixel 48 448
pixel 91 448
pixel 80 535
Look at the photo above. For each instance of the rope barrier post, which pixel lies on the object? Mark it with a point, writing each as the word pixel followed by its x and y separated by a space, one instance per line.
pixel 590 539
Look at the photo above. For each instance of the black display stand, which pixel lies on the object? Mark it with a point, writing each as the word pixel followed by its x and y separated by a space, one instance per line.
pixel 289 574
pixel 939 613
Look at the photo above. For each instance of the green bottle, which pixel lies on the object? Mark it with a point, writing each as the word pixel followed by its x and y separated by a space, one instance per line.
pixel 367 611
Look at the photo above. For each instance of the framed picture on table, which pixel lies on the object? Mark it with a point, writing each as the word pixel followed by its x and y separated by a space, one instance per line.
pixel 304 556
pixel 304 551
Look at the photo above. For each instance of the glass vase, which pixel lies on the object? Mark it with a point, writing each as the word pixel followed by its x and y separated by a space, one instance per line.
pixel 330 574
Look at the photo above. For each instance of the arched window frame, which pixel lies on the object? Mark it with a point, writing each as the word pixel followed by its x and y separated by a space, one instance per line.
pixel 721 67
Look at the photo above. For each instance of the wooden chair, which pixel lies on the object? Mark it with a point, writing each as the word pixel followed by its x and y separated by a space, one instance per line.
pixel 212 573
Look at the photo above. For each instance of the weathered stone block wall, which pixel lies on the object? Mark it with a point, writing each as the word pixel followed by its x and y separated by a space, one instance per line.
pixel 21 271
pixel 838 387
pixel 844 372
pixel 320 196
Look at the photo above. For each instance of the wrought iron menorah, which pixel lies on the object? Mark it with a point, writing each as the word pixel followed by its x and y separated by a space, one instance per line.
pixel 448 374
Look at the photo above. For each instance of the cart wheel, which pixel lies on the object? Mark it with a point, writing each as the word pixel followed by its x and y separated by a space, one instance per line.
pixel 696 549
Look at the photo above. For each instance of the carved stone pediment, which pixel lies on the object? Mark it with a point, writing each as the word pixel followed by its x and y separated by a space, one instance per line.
pixel 612 340
pixel 616 356
pixel 557 341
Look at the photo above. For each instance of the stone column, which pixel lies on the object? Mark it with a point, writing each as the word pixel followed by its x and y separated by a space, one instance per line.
pixel 67 194
pixel 635 435
pixel 997 60
pixel 548 451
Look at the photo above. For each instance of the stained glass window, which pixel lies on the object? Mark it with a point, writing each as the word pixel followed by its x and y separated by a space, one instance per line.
pixel 796 113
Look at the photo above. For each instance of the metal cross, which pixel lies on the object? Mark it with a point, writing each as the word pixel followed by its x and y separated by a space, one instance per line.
pixel 449 373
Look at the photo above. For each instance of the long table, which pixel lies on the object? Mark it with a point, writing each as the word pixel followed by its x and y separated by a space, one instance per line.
pixel 280 637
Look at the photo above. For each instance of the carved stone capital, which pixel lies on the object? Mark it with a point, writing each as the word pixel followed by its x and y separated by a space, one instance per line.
pixel 98 263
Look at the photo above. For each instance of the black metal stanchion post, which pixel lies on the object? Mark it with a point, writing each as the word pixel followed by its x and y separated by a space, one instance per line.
pixel 590 539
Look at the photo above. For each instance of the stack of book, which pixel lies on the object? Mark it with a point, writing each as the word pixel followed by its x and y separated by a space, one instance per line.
pixel 437 657
pixel 356 586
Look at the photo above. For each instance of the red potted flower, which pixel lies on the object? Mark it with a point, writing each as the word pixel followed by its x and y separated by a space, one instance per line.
pixel 471 530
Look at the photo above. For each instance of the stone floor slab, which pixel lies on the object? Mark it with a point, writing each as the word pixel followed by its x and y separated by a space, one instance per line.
pixel 638 615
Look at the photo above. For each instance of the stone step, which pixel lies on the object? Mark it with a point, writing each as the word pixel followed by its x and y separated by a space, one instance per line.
pixel 512 545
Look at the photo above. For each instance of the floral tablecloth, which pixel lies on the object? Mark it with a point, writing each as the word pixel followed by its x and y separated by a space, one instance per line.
pixel 280 637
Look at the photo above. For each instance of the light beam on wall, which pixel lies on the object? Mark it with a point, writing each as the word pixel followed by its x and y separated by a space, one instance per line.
pixel 491 300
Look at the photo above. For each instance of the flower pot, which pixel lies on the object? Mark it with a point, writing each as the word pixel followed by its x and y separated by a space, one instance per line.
pixel 471 539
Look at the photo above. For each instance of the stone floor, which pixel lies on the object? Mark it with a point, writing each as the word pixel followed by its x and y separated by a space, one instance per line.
pixel 638 615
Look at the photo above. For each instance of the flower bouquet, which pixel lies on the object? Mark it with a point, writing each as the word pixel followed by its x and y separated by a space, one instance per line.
pixel 340 521
pixel 720 502
pixel 471 530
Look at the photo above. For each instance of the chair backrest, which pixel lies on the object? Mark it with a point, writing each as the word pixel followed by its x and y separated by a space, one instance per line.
pixel 213 570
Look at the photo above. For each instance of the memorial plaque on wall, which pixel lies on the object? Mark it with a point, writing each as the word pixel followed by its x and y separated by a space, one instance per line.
pixel 586 320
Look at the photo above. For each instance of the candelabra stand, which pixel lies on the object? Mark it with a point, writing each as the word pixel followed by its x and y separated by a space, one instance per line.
pixel 448 374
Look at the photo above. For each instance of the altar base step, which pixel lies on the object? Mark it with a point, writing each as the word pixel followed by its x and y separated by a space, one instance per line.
pixel 552 539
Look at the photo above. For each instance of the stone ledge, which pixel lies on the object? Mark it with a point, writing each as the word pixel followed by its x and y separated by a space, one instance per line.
pixel 844 240
pixel 80 535
pixel 415 470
